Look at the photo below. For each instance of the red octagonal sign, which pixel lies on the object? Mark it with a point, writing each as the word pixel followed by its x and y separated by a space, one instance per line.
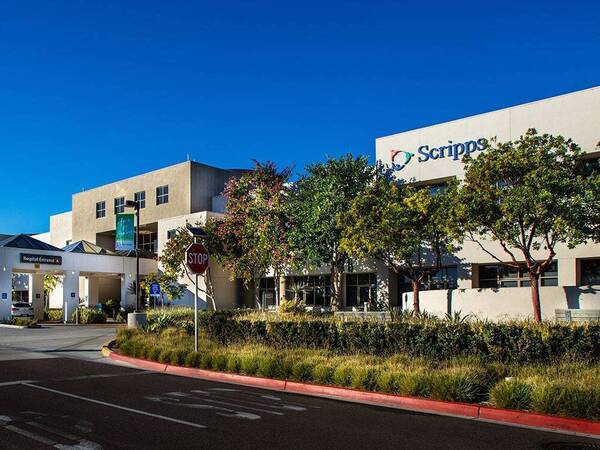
pixel 196 258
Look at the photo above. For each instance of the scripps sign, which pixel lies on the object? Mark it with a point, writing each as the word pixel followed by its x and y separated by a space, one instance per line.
pixel 401 158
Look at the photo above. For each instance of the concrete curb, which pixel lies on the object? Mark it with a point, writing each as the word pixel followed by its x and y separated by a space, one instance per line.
pixel 462 410
pixel 17 327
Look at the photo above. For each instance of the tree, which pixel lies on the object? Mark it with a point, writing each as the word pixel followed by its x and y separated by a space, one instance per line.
pixel 172 261
pixel 168 282
pixel 50 283
pixel 403 226
pixel 252 236
pixel 523 196
pixel 326 191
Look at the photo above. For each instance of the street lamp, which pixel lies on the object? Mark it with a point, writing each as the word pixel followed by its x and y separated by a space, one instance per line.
pixel 136 205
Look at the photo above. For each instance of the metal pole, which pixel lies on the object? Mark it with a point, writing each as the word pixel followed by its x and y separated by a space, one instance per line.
pixel 196 311
pixel 137 257
pixel 196 316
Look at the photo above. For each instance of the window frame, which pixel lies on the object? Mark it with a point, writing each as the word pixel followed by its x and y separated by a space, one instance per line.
pixel 313 290
pixel 509 277
pixel 100 209
pixel 355 282
pixel 162 195
pixel 140 197
pixel 595 280
pixel 119 205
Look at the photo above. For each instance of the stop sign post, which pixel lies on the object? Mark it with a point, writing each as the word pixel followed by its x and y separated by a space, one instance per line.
pixel 196 258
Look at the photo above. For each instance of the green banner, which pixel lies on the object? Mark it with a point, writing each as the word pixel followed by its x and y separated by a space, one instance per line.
pixel 125 238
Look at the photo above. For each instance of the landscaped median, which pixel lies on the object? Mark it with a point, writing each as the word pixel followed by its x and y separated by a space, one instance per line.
pixel 551 392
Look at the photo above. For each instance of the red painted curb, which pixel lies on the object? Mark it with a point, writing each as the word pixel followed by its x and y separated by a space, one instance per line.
pixel 267 383
pixel 396 401
pixel 142 363
pixel 540 420
pixel 468 411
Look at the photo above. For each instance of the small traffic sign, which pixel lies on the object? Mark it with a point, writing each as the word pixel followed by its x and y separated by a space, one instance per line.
pixel 196 258
pixel 155 290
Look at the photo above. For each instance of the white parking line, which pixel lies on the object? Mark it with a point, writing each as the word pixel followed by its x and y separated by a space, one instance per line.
pixel 12 383
pixel 112 405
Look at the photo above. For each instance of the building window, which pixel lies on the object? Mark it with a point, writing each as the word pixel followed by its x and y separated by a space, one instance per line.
pixel 436 189
pixel 148 242
pixel 171 233
pixel 267 292
pixel 140 198
pixel 361 288
pixel 162 195
pixel 498 275
pixel 100 209
pixel 442 278
pixel 119 205
pixel 590 272
pixel 591 166
pixel 314 290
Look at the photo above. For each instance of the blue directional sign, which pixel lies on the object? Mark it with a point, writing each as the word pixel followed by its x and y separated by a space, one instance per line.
pixel 155 290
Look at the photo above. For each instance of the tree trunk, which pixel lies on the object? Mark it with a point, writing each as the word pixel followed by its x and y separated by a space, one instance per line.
pixel 336 287
pixel 256 292
pixel 415 290
pixel 535 296
pixel 277 289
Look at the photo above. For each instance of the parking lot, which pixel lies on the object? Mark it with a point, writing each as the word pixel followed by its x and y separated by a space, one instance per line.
pixel 68 397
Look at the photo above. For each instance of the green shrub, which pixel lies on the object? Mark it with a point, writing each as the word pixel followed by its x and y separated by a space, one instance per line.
pixel 206 361
pixel 153 353
pixel 192 359
pixel 364 378
pixel 24 322
pixel 164 356
pixel 565 399
pixel 323 374
pixel 511 394
pixel 455 387
pixel 302 370
pixel 292 307
pixel 248 364
pixel 178 357
pixel 389 381
pixel 219 362
pixel 414 384
pixel 233 364
pixel 89 315
pixel 54 314
pixel 342 375
pixel 513 342
pixel 270 367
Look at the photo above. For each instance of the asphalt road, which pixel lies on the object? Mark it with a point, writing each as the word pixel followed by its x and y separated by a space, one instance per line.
pixel 57 392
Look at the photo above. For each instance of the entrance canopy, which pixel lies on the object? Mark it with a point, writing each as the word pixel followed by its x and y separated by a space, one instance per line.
pixel 24 254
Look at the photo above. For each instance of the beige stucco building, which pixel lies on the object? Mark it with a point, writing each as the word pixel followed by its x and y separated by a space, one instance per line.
pixel 80 244
pixel 470 281
pixel 433 155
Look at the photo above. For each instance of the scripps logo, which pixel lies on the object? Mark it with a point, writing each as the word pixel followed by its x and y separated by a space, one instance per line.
pixel 454 151
pixel 400 158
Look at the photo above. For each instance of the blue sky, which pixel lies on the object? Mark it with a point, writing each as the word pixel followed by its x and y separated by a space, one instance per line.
pixel 92 92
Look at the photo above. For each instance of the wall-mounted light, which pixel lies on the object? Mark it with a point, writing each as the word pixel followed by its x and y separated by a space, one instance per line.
pixel 4 269
pixel 72 272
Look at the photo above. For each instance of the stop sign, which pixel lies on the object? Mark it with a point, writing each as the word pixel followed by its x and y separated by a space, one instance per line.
pixel 196 258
